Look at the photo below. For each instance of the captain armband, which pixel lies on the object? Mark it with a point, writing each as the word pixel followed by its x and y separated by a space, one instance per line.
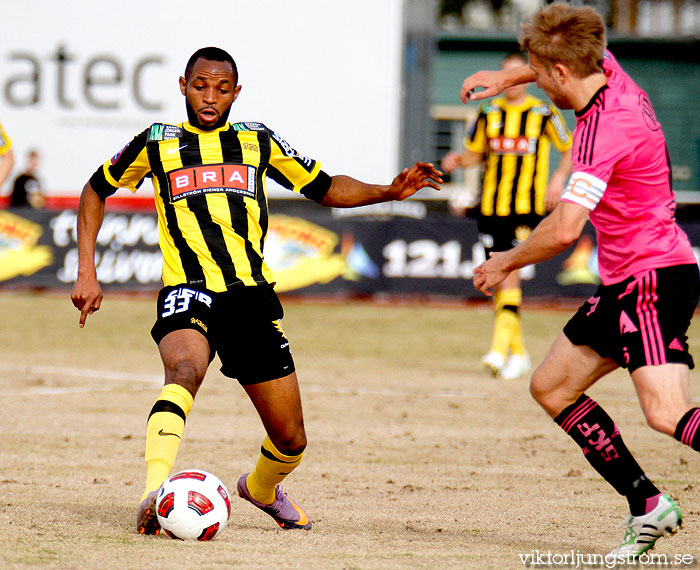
pixel 584 189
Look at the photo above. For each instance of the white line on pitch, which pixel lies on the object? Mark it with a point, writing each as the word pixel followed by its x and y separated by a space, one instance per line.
pixel 149 380
pixel 145 381
pixel 80 372
pixel 391 393
pixel 152 380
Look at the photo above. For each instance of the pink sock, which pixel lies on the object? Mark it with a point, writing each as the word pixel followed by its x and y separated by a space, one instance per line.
pixel 652 502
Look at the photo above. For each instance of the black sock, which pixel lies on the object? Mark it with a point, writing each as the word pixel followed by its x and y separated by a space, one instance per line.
pixel 688 429
pixel 598 437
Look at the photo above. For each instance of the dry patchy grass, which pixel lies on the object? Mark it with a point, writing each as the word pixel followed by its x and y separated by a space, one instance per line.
pixel 415 460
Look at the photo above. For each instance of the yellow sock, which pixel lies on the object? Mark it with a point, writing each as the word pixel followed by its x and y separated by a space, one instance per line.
pixel 164 431
pixel 271 469
pixel 501 332
pixel 506 329
pixel 517 345
pixel 511 300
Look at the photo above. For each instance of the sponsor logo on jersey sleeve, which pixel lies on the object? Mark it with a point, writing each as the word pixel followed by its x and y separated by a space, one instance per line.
pixel 648 113
pixel 560 128
pixel 286 147
pixel 254 126
pixel 289 151
pixel 163 132
pixel 471 130
pixel 115 158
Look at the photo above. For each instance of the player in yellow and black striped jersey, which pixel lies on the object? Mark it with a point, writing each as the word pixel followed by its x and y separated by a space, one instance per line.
pixel 512 138
pixel 7 158
pixel 210 196
pixel 218 298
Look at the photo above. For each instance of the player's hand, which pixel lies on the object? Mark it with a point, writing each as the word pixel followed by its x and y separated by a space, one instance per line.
pixel 456 209
pixel 490 273
pixel 420 175
pixel 554 191
pixel 450 162
pixel 86 297
pixel 493 82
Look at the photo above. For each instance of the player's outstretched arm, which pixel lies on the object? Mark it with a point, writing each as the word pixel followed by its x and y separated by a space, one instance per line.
pixel 87 293
pixel 465 159
pixel 347 192
pixel 494 82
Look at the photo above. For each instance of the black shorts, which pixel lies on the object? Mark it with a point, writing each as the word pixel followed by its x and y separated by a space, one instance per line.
pixel 242 326
pixel 501 233
pixel 641 321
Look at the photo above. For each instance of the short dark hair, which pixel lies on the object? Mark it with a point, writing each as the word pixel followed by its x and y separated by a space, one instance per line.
pixel 211 54
pixel 515 55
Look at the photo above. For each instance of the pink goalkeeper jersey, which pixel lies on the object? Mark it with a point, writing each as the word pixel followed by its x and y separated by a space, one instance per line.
pixel 621 173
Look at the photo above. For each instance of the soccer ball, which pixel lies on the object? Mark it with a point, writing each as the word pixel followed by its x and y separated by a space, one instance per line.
pixel 193 505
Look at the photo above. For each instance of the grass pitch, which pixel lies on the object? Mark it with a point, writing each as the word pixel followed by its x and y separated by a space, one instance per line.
pixel 416 459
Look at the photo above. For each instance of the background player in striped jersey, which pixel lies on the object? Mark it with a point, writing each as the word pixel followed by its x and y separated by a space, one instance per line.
pixel 639 316
pixel 209 181
pixel 7 158
pixel 511 137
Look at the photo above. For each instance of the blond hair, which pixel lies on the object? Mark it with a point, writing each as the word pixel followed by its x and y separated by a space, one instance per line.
pixel 561 33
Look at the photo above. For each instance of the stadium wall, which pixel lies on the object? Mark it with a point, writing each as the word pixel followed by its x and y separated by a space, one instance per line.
pixel 78 79
pixel 667 69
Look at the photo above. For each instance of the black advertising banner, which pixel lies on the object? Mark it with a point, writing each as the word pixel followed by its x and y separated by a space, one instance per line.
pixel 38 248
pixel 410 248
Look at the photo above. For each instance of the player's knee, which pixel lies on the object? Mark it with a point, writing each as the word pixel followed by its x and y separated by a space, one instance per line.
pixel 185 374
pixel 661 421
pixel 538 388
pixel 548 395
pixel 290 440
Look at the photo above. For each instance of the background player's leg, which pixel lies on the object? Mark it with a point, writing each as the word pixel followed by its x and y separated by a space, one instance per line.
pixel 278 403
pixel 507 333
pixel 185 355
pixel 510 300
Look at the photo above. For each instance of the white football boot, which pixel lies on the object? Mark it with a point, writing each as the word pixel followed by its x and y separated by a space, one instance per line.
pixel 516 366
pixel 493 363
pixel 641 533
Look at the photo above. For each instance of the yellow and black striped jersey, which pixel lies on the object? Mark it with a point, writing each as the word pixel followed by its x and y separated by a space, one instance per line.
pixel 515 141
pixel 210 195
pixel 5 141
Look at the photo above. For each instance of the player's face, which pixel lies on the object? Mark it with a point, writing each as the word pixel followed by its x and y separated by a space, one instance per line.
pixel 517 92
pixel 210 91
pixel 550 83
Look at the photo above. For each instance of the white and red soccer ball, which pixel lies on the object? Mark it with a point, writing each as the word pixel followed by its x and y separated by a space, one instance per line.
pixel 193 505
